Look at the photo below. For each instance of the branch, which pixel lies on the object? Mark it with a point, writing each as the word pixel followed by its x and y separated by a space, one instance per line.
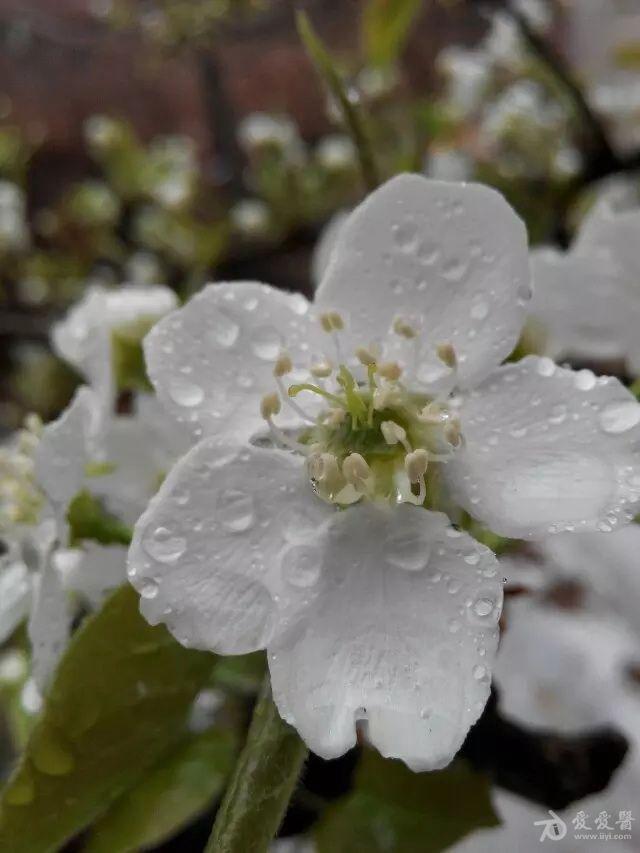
pixel 603 157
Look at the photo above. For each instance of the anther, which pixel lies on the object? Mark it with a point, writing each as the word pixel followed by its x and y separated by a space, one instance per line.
pixel 390 370
pixel 447 354
pixel 385 397
pixel 321 369
pixel 404 329
pixel 332 321
pixel 283 365
pixel 432 413
pixel 452 432
pixel 335 417
pixel 365 356
pixel 269 405
pixel 415 464
pixel 393 432
pixel 357 472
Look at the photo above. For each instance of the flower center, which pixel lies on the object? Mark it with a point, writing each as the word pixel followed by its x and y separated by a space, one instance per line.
pixel 375 437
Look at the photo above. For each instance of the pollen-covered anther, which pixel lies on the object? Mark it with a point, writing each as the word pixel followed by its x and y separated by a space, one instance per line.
pixel 357 472
pixel 404 329
pixel 385 397
pixel 366 356
pixel 283 365
pixel 393 433
pixel 447 354
pixel 332 321
pixel 335 417
pixel 452 432
pixel 415 464
pixel 270 405
pixel 321 369
pixel 390 370
pixel 433 413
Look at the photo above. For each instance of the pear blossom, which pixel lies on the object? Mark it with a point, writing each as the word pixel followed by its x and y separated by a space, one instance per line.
pixel 84 337
pixel 308 517
pixel 587 300
pixel 120 459
pixel 566 671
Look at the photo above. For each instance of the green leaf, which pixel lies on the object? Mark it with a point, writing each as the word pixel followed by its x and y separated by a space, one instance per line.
pixel 89 520
pixel 118 702
pixel 393 810
pixel 175 792
pixel 385 28
pixel 351 114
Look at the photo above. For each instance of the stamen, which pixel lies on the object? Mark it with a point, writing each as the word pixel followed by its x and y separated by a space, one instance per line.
pixel 357 472
pixel 366 356
pixel 335 417
pixel 404 329
pixel 322 369
pixel 283 365
pixel 415 464
pixel 433 413
pixel 447 354
pixel 270 406
pixel 332 322
pixel 386 396
pixel 390 370
pixel 393 433
pixel 452 432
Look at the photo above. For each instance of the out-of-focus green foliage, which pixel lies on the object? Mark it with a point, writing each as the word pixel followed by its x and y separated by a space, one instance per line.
pixel 119 702
pixel 386 25
pixel 172 794
pixel 393 808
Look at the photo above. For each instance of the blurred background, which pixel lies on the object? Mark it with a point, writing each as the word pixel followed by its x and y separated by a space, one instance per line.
pixel 183 141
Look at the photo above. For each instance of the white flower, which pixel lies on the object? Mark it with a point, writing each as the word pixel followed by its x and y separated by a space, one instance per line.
pixel 379 610
pixel 607 564
pixel 83 338
pixel 565 671
pixel 336 153
pixel 587 300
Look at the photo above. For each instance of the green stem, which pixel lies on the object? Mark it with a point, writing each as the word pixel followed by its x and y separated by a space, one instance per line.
pixel 351 113
pixel 262 784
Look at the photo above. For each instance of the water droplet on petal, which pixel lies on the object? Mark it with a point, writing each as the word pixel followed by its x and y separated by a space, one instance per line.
pixel 235 510
pixel 479 310
pixel 223 331
pixel 480 672
pixel 302 565
pixel 409 551
pixel 163 546
pixel 149 589
pixel 185 393
pixel 620 417
pixel 266 342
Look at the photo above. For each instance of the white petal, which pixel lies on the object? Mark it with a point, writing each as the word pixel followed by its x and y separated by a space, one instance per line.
pixel 402 634
pixel 49 625
pixel 15 596
pixel 450 258
pixel 323 250
pixel 608 563
pixel 228 541
pixel 562 670
pixel 64 449
pixel 547 449
pixel 142 448
pixel 612 230
pixel 92 571
pixel 212 361
pixel 584 305
pixel 83 339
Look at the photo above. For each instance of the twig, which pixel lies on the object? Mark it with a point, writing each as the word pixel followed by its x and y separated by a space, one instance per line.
pixel 602 157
